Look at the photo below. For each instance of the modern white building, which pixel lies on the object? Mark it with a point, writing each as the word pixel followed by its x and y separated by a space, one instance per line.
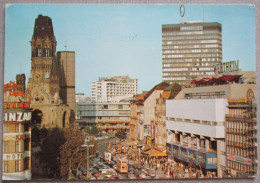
pixel 195 122
pixel 196 131
pixel 107 116
pixel 113 88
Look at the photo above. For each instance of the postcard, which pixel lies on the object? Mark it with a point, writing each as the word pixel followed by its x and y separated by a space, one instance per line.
pixel 129 91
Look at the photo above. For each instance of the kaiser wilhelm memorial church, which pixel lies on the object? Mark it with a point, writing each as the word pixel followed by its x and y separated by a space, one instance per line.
pixel 51 85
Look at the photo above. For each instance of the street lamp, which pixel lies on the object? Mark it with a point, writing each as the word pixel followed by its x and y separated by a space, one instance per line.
pixel 87 146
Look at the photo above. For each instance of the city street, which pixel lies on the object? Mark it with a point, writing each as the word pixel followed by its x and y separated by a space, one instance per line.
pixel 144 167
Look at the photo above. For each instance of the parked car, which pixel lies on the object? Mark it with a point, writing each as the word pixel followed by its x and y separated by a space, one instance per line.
pixel 131 176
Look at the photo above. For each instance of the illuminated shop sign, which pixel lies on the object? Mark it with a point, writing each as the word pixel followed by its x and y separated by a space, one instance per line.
pixel 239 159
pixel 17 116
pixel 12 156
pixel 16 137
pixel 13 105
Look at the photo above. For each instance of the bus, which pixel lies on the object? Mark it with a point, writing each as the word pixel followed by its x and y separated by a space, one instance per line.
pixel 122 165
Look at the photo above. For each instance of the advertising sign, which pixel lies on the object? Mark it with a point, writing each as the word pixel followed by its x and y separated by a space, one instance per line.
pixel 13 156
pixel 239 159
pixel 152 130
pixel 8 137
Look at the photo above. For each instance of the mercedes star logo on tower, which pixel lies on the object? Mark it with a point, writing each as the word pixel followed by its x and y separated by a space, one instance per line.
pixel 182 11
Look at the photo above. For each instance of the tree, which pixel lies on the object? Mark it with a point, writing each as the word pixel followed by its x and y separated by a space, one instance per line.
pixel 88 130
pixel 92 130
pixel 71 152
pixel 50 152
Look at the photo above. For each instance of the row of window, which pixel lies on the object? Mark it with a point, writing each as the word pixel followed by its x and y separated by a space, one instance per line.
pixel 237 125
pixel 190 46
pixel 180 33
pixel 42 52
pixel 182 28
pixel 236 138
pixel 191 51
pixel 15 128
pixel 190 42
pixel 19 165
pixel 238 166
pixel 19 146
pixel 213 36
pixel 185 60
pixel 192 55
pixel 173 78
pixel 187 64
pixel 235 111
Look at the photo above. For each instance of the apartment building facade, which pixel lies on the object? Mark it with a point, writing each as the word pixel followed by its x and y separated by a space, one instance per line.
pixel 241 136
pixel 113 88
pixel 16 164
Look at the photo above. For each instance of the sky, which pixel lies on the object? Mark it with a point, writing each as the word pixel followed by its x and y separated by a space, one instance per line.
pixel 114 40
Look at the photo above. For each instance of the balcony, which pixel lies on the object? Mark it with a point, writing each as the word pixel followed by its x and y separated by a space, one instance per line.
pixel 112 127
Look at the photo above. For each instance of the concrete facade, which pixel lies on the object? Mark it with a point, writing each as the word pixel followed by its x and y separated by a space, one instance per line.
pixel 113 88
pixel 107 116
pixel 67 79
pixel 190 50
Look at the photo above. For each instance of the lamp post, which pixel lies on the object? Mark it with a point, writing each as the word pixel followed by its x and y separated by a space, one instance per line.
pixel 87 146
pixel 70 161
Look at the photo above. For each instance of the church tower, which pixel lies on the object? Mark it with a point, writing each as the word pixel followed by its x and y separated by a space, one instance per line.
pixel 43 87
pixel 44 67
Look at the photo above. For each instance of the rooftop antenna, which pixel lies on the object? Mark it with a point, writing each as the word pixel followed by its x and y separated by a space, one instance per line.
pixel 203 12
pixel 182 12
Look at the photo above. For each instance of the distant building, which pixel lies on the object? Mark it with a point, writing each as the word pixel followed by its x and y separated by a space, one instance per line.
pixel 160 114
pixel 113 88
pixel 148 127
pixel 107 116
pixel 190 50
pixel 241 136
pixel 16 164
pixel 136 116
pixel 82 97
pixel 197 137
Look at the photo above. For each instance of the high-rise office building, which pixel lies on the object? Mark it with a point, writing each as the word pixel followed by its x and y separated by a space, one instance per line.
pixel 190 50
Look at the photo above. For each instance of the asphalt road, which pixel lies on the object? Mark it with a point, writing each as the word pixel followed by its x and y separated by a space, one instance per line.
pixel 103 144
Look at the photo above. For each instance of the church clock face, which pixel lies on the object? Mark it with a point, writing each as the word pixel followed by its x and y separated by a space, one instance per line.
pixel 250 95
pixel 38 76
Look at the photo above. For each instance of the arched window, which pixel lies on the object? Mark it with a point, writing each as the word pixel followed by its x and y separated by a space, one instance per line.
pixel 47 52
pixel 39 52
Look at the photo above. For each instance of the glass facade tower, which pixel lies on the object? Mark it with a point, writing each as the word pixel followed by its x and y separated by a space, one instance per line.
pixel 190 50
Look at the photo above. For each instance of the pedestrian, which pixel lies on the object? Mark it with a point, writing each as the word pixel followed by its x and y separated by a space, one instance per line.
pixel 162 167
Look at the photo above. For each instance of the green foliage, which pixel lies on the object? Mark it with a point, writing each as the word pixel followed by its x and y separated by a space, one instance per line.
pixel 50 152
pixel 92 130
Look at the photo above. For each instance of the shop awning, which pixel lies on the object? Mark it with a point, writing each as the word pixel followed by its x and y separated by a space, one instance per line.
pixel 155 153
